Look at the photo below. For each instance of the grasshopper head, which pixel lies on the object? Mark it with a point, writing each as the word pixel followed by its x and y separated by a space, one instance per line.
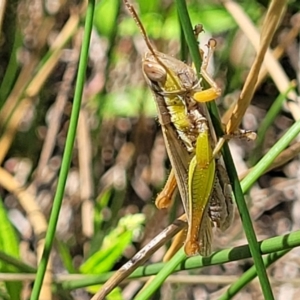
pixel 166 74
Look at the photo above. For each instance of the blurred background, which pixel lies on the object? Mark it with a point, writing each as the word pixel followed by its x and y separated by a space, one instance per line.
pixel 119 163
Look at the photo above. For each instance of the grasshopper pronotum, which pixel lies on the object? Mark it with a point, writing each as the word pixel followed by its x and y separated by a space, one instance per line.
pixel 189 137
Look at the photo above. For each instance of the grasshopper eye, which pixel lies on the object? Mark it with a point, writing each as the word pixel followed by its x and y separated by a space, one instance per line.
pixel 155 72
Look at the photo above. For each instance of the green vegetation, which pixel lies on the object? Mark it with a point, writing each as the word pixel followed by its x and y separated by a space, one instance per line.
pixel 82 155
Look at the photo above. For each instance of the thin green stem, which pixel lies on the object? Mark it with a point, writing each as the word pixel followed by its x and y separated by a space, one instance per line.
pixel 276 246
pixel 247 225
pixel 67 153
pixel 11 70
pixel 10 260
pixel 188 33
pixel 267 121
pixel 250 275
pixel 267 160
pixel 162 275
pixel 241 204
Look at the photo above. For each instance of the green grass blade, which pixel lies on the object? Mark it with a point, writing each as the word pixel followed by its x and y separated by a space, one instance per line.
pixel 279 244
pixel 246 220
pixel 248 226
pixel 67 153
pixel 18 264
pixel 267 160
pixel 11 71
pixel 65 256
pixel 187 29
pixel 266 123
pixel 270 259
pixel 165 272
pixel 9 245
pixel 250 275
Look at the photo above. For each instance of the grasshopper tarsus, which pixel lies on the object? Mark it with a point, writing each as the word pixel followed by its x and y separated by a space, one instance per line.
pixel 241 134
pixel 197 30
pixel 191 247
pixel 212 43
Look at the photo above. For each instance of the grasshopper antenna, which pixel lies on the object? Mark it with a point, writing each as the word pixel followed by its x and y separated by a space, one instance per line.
pixel 140 26
pixel 146 39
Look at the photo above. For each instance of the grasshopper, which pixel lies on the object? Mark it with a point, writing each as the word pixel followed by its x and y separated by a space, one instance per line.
pixel 189 137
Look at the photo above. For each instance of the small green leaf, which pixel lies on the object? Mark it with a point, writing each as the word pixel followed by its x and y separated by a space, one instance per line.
pixel 113 245
pixel 103 260
pixel 66 257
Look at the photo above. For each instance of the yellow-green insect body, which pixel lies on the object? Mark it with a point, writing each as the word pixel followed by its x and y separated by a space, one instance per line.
pixel 177 92
pixel 173 89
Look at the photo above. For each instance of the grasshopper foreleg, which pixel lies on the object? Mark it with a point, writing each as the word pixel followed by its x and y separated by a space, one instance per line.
pixel 214 91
